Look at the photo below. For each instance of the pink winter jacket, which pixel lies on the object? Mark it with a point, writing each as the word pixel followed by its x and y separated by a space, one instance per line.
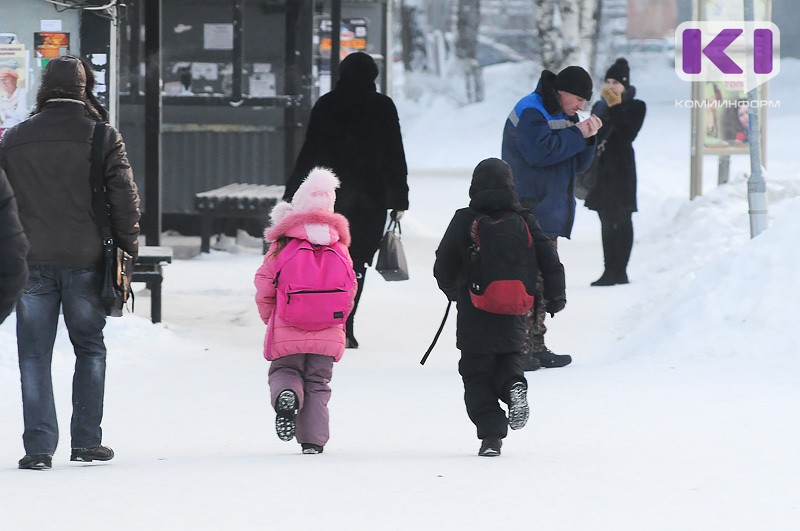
pixel 320 228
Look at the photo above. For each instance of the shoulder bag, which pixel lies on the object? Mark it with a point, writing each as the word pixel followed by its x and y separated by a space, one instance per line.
pixel 117 269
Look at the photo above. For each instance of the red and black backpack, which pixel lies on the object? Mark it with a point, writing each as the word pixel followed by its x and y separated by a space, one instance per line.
pixel 502 268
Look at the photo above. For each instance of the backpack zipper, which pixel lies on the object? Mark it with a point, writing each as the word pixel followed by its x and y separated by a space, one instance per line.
pixel 300 292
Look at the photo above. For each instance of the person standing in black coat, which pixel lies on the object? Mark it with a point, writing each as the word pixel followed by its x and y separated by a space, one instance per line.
pixel 355 132
pixel 614 195
pixel 492 344
pixel 13 250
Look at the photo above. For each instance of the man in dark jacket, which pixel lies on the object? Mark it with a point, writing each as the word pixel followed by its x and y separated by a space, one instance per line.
pixel 355 131
pixel 614 194
pixel 546 145
pixel 13 249
pixel 492 344
pixel 47 159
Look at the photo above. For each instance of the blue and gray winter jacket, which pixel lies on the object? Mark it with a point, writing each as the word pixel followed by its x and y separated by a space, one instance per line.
pixel 545 152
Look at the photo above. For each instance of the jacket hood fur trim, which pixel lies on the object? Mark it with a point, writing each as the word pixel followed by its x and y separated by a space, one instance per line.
pixel 288 226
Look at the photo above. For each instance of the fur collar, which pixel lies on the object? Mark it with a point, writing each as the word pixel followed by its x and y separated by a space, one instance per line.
pixel 547 90
pixel 337 221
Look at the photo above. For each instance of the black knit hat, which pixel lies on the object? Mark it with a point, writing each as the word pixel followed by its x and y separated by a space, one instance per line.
pixel 620 71
pixel 575 80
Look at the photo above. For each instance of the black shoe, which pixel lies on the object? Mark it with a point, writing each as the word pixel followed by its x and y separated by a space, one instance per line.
pixel 609 278
pixel 518 410
pixel 350 342
pixel 529 363
pixel 490 447
pixel 606 279
pixel 286 411
pixel 98 453
pixel 309 448
pixel 550 360
pixel 36 462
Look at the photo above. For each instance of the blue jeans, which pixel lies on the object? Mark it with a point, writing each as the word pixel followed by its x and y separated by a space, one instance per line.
pixel 77 291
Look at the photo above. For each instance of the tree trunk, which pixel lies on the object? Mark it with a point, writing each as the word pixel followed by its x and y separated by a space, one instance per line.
pixel 412 37
pixel 565 29
pixel 570 11
pixel 469 16
pixel 549 32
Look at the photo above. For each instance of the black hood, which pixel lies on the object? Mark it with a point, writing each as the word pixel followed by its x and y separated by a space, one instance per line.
pixel 358 70
pixel 547 90
pixel 492 187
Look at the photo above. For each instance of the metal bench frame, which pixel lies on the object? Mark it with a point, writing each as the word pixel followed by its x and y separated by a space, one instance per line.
pixel 148 269
pixel 235 201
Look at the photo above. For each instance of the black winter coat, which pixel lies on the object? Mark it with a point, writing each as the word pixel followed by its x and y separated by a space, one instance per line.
pixel 47 160
pixel 615 190
pixel 355 131
pixel 13 249
pixel 492 192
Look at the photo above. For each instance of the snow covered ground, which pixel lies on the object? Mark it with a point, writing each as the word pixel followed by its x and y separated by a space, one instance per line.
pixel 675 415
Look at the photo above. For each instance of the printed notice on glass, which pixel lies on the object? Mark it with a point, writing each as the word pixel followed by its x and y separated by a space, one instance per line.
pixel 50 25
pixel 218 36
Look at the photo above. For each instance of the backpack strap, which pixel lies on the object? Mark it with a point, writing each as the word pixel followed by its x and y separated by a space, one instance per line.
pixel 438 333
pixel 527 229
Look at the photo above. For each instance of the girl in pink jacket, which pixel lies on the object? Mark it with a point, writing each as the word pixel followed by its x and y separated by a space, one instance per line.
pixel 302 355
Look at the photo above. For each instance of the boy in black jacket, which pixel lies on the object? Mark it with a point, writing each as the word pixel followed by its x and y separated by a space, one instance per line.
pixel 492 344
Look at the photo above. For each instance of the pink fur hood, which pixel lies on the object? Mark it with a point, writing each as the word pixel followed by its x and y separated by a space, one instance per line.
pixel 318 227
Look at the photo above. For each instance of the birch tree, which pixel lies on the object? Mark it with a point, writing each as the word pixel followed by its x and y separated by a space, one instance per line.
pixel 468 19
pixel 565 29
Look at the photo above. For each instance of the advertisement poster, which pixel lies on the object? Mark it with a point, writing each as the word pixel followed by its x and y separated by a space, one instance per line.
pixel 725 119
pixel 13 85
pixel 353 38
pixel 49 44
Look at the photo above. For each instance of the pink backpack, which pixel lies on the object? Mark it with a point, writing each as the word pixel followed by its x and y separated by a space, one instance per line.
pixel 313 283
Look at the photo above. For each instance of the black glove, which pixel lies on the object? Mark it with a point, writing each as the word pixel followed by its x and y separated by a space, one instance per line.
pixel 396 215
pixel 555 305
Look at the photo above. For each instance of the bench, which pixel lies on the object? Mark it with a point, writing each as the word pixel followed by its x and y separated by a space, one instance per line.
pixel 147 269
pixel 236 201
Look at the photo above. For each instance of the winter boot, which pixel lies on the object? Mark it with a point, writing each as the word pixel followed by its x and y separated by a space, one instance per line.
pixel 606 279
pixel 87 455
pixel 518 410
pixel 550 360
pixel 529 363
pixel 490 447
pixel 309 448
pixel 350 342
pixel 286 411
pixel 611 278
pixel 36 462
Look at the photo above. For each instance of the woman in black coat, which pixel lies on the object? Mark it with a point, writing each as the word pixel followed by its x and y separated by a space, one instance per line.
pixel 13 250
pixel 614 196
pixel 355 131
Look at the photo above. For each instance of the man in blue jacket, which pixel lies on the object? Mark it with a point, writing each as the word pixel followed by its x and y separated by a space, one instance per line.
pixel 546 145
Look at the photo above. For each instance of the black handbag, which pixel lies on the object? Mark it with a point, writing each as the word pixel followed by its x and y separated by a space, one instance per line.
pixel 391 258
pixel 117 264
pixel 586 181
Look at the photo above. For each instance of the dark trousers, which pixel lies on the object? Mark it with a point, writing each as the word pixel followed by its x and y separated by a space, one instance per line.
pixel 77 292
pixel 535 318
pixel 361 271
pixel 487 379
pixel 617 233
